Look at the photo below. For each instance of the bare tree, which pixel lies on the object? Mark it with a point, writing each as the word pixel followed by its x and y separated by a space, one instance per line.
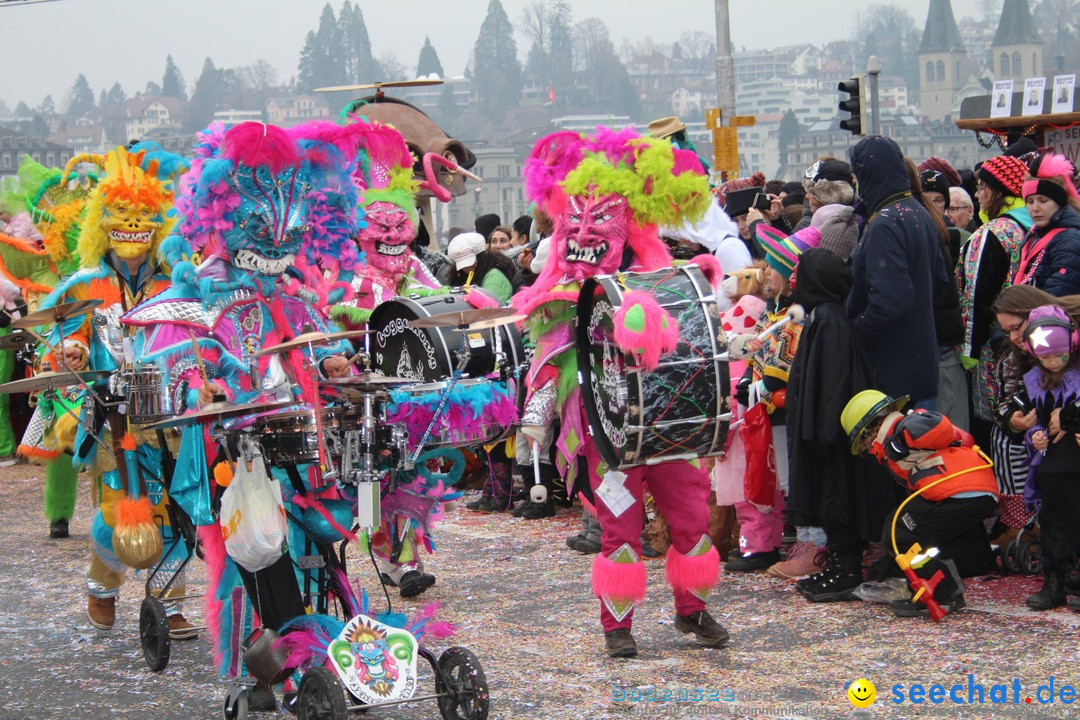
pixel 388 67
pixel 260 78
pixel 699 48
pixel 534 23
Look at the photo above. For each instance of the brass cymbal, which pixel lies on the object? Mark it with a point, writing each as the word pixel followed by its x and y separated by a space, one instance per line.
pixel 462 318
pixel 377 85
pixel 57 313
pixel 47 380
pixel 311 338
pixel 367 379
pixel 496 322
pixel 219 411
pixel 16 341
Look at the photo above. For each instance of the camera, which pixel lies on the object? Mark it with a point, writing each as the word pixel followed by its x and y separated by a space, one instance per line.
pixel 762 202
pixel 1014 404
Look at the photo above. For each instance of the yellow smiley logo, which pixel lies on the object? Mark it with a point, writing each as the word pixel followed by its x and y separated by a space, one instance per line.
pixel 862 693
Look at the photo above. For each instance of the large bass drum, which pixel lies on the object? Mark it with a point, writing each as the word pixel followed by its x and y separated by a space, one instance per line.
pixel 431 354
pixel 680 410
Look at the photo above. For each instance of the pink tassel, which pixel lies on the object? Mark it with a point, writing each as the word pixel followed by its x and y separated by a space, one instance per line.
pixel 255 143
pixel 479 299
pixel 710 268
pixel 312 503
pixel 692 572
pixel 1055 165
pixel 659 334
pixel 621 581
pixel 441 629
pixel 213 547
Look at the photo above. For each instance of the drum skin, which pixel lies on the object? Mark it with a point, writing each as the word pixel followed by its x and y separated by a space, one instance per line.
pixel 430 354
pixel 678 411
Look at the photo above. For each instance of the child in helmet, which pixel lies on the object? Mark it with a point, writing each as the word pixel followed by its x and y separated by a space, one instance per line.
pixel 1051 485
pixel 954 481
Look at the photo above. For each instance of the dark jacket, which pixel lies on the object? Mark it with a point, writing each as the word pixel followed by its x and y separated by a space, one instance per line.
pixel 898 268
pixel 827 484
pixel 1058 271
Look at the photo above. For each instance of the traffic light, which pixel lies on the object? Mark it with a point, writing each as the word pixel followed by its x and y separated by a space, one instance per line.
pixel 856 123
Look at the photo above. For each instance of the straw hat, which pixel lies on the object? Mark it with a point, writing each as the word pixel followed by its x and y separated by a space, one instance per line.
pixel 663 127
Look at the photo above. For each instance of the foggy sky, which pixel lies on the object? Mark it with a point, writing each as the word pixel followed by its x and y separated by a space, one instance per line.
pixel 45 46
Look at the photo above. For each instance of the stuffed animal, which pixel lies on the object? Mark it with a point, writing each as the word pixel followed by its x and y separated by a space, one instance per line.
pixel 747 281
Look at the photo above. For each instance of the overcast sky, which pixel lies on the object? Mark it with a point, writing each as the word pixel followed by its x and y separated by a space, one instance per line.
pixel 45 45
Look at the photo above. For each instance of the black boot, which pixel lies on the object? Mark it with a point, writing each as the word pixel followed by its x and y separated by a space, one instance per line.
pixel 549 478
pixel 837 582
pixel 1052 594
pixel 496 496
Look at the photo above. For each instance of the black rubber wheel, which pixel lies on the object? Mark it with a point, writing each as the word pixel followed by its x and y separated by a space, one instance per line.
pixel 1029 557
pixel 1011 553
pixel 462 679
pixel 235 708
pixel 320 696
pixel 154 634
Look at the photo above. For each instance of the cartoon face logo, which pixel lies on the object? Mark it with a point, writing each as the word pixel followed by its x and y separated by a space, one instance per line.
pixel 591 234
pixel 272 221
pixel 385 240
pixel 376 662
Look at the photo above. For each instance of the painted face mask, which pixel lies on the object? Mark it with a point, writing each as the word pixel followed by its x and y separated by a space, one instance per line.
pixel 592 234
pixel 271 220
pixel 385 240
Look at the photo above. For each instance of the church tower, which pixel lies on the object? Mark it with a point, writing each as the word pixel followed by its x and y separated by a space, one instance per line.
pixel 942 59
pixel 1017 51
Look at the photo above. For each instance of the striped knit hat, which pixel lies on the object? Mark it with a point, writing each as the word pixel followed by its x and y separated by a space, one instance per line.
pixel 782 252
pixel 1005 174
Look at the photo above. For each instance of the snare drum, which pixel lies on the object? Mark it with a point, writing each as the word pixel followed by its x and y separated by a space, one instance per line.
pixel 479 411
pixel 146 394
pixel 287 437
pixel 431 354
pixel 678 411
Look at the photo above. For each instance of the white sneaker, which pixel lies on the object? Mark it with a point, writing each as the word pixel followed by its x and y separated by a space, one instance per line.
pixel 8 461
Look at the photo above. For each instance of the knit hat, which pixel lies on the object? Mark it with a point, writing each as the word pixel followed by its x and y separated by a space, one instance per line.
pixel 1005 174
pixel 828 192
pixel 740 204
pixel 832 170
pixel 464 248
pixel 486 223
pixel 1052 165
pixel 1021 146
pixel 1049 331
pixel 839 233
pixel 782 252
pixel 935 181
pixel 942 166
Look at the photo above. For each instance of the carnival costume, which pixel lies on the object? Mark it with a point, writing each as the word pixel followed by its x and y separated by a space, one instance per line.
pixel 608 192
pixel 127 215
pixel 39 250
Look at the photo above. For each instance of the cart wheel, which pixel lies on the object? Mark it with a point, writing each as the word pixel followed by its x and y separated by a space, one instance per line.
pixel 1029 557
pixel 1011 552
pixel 236 708
pixel 320 696
pixel 463 681
pixel 154 634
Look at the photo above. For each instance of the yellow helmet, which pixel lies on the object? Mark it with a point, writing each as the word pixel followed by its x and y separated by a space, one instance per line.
pixel 862 410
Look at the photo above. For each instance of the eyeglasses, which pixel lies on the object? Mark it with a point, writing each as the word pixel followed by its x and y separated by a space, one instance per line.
pixel 812 171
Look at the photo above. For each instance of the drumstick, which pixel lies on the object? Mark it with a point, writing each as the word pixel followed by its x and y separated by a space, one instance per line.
pixel 795 313
pixel 198 357
pixel 538 494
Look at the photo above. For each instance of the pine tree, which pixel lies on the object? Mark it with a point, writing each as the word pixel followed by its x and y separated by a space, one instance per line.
pixel 48 107
pixel 496 69
pixel 22 110
pixel 82 98
pixel 323 57
pixel 429 61
pixel 116 97
pixel 356 45
pixel 561 51
pixel 306 70
pixel 206 98
pixel 787 133
pixel 172 84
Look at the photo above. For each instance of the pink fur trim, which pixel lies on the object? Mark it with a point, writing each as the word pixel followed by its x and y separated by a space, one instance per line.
pixel 478 298
pixel 620 581
pixel 649 249
pixel 213 547
pixel 551 160
pixel 687 161
pixel 710 268
pixel 1055 165
pixel 654 340
pixel 692 573
pixel 255 143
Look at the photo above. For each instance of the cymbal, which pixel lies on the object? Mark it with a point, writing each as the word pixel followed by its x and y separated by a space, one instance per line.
pixel 377 85
pixel 219 411
pixel 47 380
pixel 57 313
pixel 367 378
pixel 16 341
pixel 311 338
pixel 462 318
pixel 496 322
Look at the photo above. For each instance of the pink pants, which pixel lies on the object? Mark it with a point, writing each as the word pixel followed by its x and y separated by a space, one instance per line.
pixel 760 532
pixel 681 492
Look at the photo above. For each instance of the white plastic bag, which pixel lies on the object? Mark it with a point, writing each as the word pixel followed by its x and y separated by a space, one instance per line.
pixel 253 517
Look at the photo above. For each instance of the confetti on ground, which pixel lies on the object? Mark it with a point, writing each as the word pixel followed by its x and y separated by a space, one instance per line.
pixel 522 603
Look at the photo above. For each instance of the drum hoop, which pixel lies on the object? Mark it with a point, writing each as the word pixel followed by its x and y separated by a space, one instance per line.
pixel 586 301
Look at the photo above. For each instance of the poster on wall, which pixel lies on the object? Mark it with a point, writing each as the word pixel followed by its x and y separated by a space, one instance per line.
pixel 1001 100
pixel 1033 96
pixel 1064 85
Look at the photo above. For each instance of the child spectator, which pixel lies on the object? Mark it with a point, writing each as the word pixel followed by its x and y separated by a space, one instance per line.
pixel 1055 382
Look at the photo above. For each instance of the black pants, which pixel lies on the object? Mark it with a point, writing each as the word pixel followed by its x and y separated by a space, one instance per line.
pixel 954 526
pixel 1059 526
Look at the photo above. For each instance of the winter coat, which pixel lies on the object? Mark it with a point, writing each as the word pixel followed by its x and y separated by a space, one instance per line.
pixel 1058 269
pixel 898 270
